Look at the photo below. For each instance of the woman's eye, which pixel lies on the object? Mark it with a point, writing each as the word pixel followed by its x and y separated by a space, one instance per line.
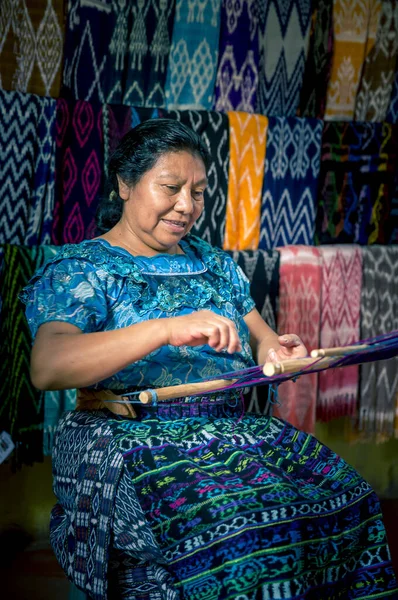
pixel 198 194
pixel 172 188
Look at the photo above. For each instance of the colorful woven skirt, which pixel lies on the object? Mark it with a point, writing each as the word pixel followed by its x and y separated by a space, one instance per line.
pixel 198 502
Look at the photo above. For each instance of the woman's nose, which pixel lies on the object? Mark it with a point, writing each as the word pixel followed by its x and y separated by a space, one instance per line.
pixel 184 202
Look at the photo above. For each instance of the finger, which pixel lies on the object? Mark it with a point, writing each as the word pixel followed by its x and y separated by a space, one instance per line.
pixel 234 341
pixel 289 340
pixel 272 357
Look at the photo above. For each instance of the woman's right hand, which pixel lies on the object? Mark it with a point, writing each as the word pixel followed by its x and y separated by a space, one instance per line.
pixel 203 327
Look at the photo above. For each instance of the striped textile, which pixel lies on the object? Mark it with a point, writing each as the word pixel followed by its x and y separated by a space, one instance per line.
pixel 356 184
pixel 340 326
pixel 31 45
pixel 290 186
pixel 247 142
pixel 378 72
pixel 21 408
pixel 299 312
pixel 355 26
pixel 213 127
pixel 284 31
pixel 379 314
pixel 192 65
pixel 237 71
pixel 79 170
pixel 319 61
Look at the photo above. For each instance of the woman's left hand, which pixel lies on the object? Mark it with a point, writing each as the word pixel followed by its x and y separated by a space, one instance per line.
pixel 291 346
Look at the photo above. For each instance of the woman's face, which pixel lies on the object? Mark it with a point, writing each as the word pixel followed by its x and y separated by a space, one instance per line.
pixel 163 206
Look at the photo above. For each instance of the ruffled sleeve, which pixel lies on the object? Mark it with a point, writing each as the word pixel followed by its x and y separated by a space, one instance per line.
pixel 67 290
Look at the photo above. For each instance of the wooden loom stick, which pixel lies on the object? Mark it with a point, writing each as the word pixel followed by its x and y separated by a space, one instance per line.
pixel 185 389
pixel 295 365
pixel 340 350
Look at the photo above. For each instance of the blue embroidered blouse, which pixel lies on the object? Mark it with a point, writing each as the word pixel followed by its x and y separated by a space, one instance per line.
pixel 100 287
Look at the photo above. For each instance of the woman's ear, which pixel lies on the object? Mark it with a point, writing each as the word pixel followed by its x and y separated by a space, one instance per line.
pixel 124 190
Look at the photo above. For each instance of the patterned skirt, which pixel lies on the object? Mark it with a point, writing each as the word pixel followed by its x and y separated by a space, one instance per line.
pixel 199 502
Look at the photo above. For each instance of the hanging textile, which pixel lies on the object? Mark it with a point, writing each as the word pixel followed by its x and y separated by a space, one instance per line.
pixel 117 121
pixel 237 70
pixel 340 326
pixel 378 72
pixel 284 31
pixel 299 312
pixel 379 314
pixel 247 140
pixel 393 239
pixel 319 61
pixel 213 127
pixel 79 170
pixel 21 408
pixel 290 181
pixel 117 52
pixel 19 117
pixel 192 65
pixel 356 184
pixel 31 44
pixel 41 207
pixel 355 25
pixel 262 270
pixel 392 115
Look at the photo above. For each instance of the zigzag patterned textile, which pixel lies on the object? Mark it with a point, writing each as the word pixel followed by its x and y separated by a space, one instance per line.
pixel 192 65
pixel 377 80
pixel 117 51
pixel 21 409
pixel 284 30
pixel 79 169
pixel 355 26
pixel 340 321
pixel 379 314
pixel 300 287
pixel 238 57
pixel 290 185
pixel 42 199
pixel 392 115
pixel 262 269
pixel 319 61
pixel 19 115
pixel 214 129
pixel 247 142
pixel 31 43
pixel 356 183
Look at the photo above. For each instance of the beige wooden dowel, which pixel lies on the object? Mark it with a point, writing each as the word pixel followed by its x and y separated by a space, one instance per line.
pixel 338 350
pixel 185 389
pixel 296 365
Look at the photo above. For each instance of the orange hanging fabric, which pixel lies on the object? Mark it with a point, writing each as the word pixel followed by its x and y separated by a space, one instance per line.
pixel 247 142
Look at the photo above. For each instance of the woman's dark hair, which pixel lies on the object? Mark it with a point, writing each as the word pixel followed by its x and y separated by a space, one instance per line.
pixel 137 153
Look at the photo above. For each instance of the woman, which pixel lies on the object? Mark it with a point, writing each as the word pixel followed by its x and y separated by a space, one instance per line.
pixel 188 499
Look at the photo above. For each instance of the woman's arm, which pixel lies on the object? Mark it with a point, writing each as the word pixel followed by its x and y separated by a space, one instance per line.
pixel 64 357
pixel 268 346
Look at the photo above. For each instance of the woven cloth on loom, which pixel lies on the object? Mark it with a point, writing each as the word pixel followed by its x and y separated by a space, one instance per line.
pixel 262 270
pixel 340 320
pixel 213 127
pixel 247 141
pixel 192 65
pixel 377 78
pixel 21 409
pixel 379 314
pixel 299 312
pixel 31 44
pixel 356 184
pixel 290 181
pixel 355 25
pixel 237 70
pixel 79 170
pixel 319 61
pixel 284 30
pixel 392 115
pixel 118 52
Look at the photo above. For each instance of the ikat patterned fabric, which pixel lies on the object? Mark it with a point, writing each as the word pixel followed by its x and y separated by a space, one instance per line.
pixel 283 31
pixel 392 115
pixel 213 127
pixel 340 326
pixel 290 187
pixel 79 170
pixel 192 65
pixel 247 142
pixel 377 78
pixel 31 46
